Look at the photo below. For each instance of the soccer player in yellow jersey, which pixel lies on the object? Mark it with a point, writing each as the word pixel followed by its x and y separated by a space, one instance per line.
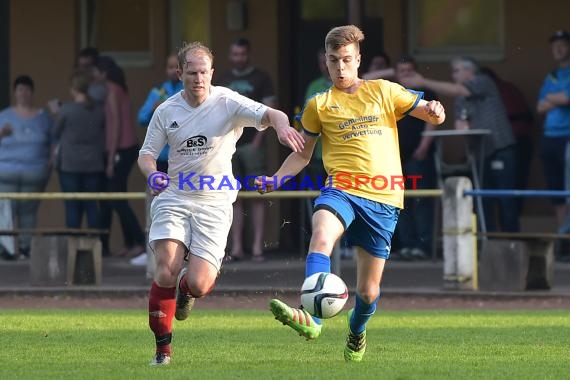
pixel 357 122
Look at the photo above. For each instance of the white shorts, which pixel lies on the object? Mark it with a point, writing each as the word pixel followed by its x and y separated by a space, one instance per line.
pixel 202 228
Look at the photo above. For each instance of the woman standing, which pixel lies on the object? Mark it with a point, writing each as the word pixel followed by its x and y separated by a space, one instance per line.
pixel 122 152
pixel 81 152
pixel 24 156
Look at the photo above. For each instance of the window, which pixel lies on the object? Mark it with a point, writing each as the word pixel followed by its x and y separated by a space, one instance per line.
pixel 441 29
pixel 121 29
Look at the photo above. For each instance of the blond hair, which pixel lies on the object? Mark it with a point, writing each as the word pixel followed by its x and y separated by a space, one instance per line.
pixel 342 36
pixel 197 48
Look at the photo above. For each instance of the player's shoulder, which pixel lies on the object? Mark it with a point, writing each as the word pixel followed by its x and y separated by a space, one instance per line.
pixel 373 87
pixel 174 100
pixel 224 94
pixel 227 95
pixel 380 83
pixel 222 91
pixel 390 88
pixel 318 100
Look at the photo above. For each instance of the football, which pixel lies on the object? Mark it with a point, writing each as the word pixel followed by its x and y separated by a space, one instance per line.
pixel 323 295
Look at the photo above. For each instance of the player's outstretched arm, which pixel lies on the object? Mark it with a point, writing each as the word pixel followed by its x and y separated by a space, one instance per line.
pixel 431 112
pixel 286 134
pixel 292 165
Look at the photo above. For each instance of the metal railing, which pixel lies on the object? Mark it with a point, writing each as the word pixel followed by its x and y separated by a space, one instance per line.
pixel 280 194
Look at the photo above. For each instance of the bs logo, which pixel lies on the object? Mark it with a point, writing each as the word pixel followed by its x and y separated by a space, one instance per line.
pixel 195 141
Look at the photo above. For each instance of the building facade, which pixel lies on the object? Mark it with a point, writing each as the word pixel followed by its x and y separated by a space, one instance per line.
pixel 42 38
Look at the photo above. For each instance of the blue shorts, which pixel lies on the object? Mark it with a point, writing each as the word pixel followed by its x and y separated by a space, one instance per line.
pixel 368 224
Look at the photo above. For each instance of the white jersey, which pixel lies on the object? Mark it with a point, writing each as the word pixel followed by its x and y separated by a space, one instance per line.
pixel 202 142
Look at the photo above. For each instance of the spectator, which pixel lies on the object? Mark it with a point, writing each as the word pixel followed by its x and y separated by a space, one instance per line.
pixel 87 61
pixel 249 158
pixel 380 61
pixel 122 153
pixel 415 227
pixel 379 67
pixel 521 119
pixel 80 131
pixel 478 105
pixel 553 101
pixel 156 97
pixel 25 141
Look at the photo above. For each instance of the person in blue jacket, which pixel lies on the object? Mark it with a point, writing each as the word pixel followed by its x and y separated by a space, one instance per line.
pixel 156 96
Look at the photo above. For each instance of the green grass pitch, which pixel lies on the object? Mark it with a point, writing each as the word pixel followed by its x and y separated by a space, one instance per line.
pixel 117 344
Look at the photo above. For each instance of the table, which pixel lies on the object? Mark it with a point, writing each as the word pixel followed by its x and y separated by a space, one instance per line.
pixel 475 158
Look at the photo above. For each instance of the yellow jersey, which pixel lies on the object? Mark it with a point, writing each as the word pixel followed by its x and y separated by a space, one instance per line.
pixel 361 152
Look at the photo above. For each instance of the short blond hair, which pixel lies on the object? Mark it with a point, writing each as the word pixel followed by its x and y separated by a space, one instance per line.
pixel 342 36
pixel 197 48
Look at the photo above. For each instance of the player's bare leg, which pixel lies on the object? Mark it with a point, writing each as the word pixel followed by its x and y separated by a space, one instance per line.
pixel 169 256
pixel 194 281
pixel 184 300
pixel 369 275
pixel 327 229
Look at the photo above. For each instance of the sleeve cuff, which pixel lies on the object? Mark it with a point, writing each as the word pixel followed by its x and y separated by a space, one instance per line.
pixel 309 133
pixel 420 96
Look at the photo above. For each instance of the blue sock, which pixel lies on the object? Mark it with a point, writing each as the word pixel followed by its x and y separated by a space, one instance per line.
pixel 317 262
pixel 361 314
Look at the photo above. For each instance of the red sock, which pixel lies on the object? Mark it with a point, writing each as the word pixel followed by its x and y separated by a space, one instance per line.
pixel 161 308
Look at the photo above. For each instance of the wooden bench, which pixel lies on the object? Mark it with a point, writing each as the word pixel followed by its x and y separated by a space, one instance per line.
pixel 517 261
pixel 63 256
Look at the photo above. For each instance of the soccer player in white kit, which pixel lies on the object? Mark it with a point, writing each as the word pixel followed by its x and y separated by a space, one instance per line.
pixel 192 212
